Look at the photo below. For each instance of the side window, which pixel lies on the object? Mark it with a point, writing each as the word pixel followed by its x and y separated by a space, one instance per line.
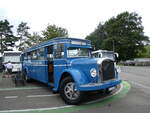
pixel 59 51
pixel 25 56
pixel 34 55
pixel 29 55
pixel 50 52
pixel 40 54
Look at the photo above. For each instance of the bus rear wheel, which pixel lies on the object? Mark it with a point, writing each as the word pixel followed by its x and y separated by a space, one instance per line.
pixel 69 92
pixel 26 78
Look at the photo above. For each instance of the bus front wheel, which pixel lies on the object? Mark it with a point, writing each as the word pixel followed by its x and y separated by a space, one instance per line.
pixel 69 92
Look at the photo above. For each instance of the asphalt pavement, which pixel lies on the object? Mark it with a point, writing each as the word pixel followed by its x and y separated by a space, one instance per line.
pixel 138 98
pixel 36 95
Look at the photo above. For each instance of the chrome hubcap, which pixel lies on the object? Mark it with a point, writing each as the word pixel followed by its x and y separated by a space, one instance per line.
pixel 71 91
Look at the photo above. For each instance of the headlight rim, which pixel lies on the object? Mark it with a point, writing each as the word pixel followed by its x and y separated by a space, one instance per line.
pixel 93 72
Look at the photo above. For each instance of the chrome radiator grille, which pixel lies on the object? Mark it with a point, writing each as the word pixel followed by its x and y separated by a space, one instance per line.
pixel 107 70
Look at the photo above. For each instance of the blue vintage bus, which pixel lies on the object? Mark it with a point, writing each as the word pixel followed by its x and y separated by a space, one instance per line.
pixel 66 65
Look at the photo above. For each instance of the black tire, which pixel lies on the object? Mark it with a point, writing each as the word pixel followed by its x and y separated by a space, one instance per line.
pixel 67 97
pixel 26 78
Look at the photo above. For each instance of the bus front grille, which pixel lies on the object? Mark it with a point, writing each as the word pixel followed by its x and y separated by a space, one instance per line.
pixel 107 70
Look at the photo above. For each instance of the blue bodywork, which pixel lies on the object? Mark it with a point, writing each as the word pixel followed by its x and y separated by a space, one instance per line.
pixel 78 68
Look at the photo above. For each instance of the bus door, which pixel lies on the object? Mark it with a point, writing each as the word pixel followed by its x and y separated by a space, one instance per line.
pixel 50 64
pixel 59 61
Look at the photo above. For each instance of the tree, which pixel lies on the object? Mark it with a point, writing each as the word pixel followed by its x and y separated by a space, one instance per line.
pixel 124 34
pixel 35 38
pixel 53 31
pixel 23 35
pixel 97 36
pixel 7 39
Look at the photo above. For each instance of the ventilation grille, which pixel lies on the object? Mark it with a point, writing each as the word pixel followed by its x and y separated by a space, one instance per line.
pixel 107 70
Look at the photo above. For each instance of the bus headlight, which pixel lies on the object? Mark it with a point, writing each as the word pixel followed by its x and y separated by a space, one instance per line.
pixel 93 72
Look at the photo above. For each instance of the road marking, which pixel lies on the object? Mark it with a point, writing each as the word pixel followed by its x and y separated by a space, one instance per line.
pixel 30 96
pixel 141 85
pixel 40 109
pixel 21 88
pixel 10 97
pixel 70 108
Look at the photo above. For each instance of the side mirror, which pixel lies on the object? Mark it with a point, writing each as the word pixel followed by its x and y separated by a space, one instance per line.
pixel 116 55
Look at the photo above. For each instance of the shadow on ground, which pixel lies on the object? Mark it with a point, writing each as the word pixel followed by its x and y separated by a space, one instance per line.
pixel 7 82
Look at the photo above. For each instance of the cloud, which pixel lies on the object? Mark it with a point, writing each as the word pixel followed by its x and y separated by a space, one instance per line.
pixel 3 14
pixel 80 17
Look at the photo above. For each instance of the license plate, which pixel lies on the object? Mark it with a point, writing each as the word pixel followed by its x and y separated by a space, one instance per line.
pixel 111 88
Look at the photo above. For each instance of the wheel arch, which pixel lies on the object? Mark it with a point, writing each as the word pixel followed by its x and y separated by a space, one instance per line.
pixel 78 76
pixel 64 75
pixel 67 79
pixel 25 71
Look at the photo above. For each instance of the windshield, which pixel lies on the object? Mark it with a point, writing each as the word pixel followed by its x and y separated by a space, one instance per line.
pixel 78 52
pixel 12 57
pixel 107 54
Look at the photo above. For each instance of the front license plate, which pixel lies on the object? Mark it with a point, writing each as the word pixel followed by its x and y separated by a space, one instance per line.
pixel 111 88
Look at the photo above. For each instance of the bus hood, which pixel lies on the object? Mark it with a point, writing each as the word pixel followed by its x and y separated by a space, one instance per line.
pixel 87 61
pixel 83 61
pixel 85 65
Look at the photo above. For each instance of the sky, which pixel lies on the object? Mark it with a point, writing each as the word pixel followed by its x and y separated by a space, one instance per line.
pixel 79 17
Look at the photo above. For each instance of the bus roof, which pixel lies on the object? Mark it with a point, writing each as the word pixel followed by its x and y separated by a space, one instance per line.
pixel 58 40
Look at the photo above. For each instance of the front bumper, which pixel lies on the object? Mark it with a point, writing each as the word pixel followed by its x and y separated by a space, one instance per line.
pixel 98 86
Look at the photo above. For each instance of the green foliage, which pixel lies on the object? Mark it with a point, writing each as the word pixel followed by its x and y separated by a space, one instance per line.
pixel 146 53
pixel 97 36
pixel 23 35
pixel 124 33
pixel 35 38
pixel 24 39
pixel 53 31
pixel 7 39
pixel 148 48
pixel 50 32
